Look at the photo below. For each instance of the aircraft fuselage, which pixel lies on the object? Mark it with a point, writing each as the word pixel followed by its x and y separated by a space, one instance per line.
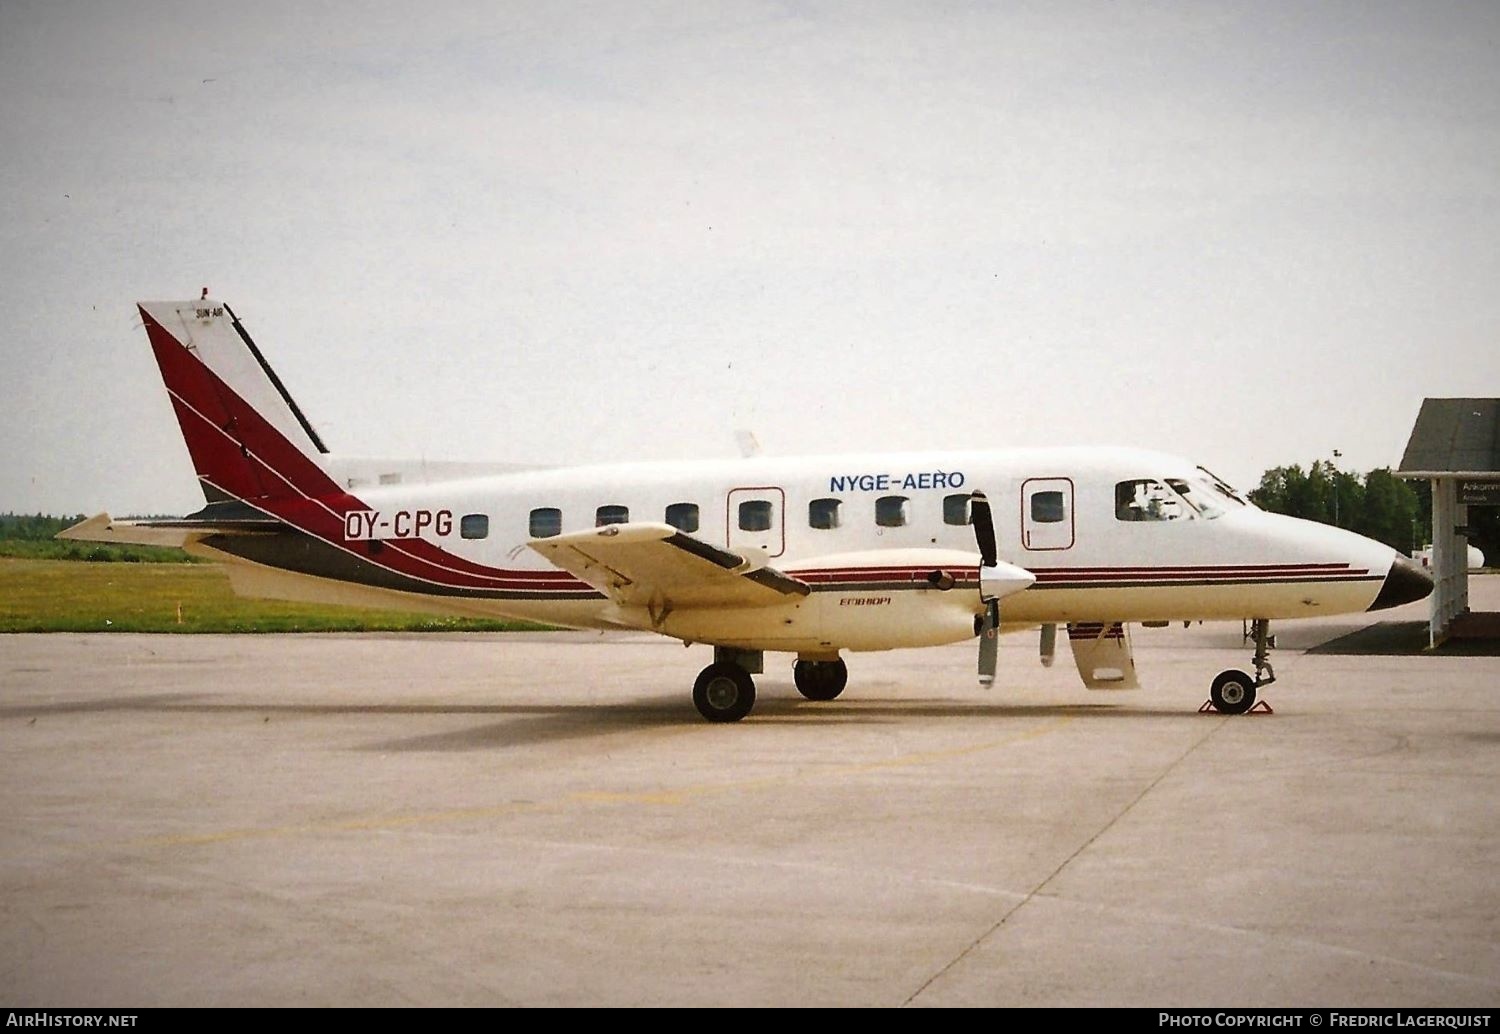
pixel 1110 534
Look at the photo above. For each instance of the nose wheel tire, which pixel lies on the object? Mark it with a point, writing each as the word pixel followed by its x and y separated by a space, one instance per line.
pixel 724 692
pixel 1233 692
pixel 820 680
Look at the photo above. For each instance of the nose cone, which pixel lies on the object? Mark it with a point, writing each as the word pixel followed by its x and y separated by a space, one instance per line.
pixel 1407 582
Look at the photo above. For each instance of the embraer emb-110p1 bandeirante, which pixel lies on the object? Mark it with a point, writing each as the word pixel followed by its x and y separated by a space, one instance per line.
pixel 809 556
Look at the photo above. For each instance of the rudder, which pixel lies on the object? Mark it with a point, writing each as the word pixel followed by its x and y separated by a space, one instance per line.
pixel 247 437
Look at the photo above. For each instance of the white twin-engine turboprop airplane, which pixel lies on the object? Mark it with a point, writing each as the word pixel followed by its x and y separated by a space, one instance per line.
pixel 809 556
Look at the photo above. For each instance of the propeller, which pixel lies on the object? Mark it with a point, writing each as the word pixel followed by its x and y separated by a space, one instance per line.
pixel 984 528
pixel 989 627
pixel 997 579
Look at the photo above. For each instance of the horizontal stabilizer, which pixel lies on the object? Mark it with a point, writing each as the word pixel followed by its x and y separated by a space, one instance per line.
pixel 102 528
pixel 171 532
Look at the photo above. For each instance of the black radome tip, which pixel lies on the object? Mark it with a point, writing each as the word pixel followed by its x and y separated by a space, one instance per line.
pixel 1407 582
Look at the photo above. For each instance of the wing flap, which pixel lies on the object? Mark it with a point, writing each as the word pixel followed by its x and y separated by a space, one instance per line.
pixel 655 565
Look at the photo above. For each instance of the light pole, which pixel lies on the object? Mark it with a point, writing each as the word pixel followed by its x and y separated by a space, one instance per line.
pixel 1336 456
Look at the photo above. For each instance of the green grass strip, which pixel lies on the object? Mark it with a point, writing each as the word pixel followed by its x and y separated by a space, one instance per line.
pixel 69 596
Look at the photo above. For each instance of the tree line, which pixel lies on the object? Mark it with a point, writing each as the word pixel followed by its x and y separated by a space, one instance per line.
pixel 33 527
pixel 1378 505
pixel 31 537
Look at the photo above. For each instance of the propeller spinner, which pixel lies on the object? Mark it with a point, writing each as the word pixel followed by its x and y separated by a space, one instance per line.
pixel 997 579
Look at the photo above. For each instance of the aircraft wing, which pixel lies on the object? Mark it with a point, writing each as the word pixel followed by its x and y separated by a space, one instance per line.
pixel 656 565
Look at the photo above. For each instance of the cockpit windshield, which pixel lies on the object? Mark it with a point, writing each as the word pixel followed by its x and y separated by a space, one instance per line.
pixel 1175 499
pixel 1222 488
pixel 1200 495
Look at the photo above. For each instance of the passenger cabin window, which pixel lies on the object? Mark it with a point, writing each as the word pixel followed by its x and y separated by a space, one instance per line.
pixel 956 509
pixel 823 514
pixel 755 515
pixel 683 516
pixel 546 521
pixel 890 511
pixel 1147 499
pixel 612 514
pixel 474 526
pixel 1048 508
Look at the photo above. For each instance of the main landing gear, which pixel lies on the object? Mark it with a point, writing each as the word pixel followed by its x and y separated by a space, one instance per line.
pixel 820 680
pixel 725 692
pixel 1233 691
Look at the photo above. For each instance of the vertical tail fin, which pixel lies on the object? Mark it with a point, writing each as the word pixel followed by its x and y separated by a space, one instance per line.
pixel 247 437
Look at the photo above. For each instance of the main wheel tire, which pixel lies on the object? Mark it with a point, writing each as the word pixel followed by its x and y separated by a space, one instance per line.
pixel 1233 692
pixel 724 692
pixel 820 680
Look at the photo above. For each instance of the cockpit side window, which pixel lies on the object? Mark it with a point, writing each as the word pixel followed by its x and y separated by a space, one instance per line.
pixel 1146 499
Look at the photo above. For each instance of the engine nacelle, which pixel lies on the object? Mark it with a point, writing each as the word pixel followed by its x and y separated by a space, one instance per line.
pixel 871 600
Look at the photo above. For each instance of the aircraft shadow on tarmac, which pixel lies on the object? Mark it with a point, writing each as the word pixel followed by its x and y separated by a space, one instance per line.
pixel 531 724
pixel 579 721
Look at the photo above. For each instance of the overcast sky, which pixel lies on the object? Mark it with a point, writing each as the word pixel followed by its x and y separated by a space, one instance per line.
pixel 576 232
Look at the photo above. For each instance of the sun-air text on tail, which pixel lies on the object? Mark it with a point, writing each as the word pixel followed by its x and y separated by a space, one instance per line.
pixel 809 556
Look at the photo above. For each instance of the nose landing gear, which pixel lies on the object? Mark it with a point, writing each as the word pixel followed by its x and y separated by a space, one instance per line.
pixel 1234 691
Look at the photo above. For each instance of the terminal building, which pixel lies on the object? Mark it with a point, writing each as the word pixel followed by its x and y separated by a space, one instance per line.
pixel 1455 446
